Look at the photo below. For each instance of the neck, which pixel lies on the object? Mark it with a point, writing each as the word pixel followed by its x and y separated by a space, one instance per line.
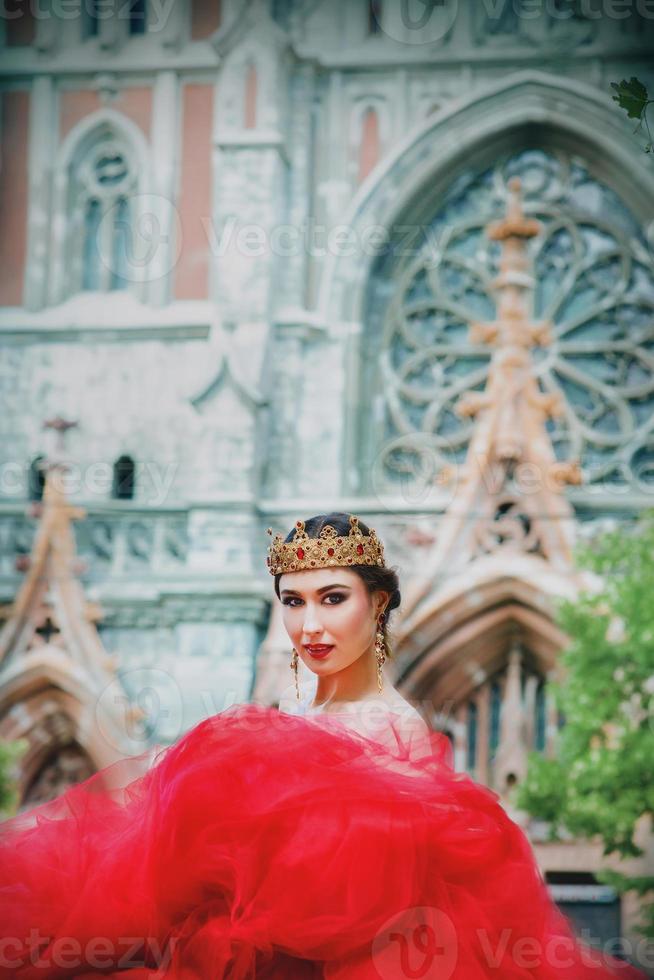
pixel 355 682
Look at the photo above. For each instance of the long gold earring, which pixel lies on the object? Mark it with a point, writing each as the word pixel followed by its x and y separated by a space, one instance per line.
pixel 294 662
pixel 380 652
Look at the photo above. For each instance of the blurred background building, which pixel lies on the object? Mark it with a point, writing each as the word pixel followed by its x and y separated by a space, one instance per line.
pixel 281 258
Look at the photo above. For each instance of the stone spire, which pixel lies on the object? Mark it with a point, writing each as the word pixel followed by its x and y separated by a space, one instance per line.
pixel 508 495
pixel 50 607
pixel 51 655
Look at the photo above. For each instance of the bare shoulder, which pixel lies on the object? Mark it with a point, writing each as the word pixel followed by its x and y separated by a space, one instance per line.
pixel 405 714
pixel 397 701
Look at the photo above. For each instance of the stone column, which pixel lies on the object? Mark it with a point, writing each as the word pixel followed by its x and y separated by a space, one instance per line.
pixel 511 753
pixel 42 148
pixel 483 717
pixel 165 149
pixel 460 739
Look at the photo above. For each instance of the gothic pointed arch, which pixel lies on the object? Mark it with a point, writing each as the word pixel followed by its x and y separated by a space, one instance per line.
pixel 46 702
pixel 416 299
pixel 238 22
pixel 476 658
pixel 226 425
pixel 480 126
pixel 102 167
pixel 255 65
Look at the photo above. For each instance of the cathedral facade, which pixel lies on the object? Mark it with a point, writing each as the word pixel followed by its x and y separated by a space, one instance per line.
pixel 276 259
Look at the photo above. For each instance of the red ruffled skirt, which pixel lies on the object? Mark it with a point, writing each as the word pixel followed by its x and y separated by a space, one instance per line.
pixel 265 845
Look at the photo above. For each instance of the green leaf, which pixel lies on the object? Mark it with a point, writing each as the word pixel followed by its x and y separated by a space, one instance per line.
pixel 10 753
pixel 631 96
pixel 600 782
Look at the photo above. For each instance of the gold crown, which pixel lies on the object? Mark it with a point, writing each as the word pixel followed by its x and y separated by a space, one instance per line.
pixel 329 548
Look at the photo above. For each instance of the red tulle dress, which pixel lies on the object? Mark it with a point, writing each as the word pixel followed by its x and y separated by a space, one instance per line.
pixel 267 845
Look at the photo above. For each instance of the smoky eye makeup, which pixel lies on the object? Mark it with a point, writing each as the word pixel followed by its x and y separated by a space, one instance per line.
pixel 341 596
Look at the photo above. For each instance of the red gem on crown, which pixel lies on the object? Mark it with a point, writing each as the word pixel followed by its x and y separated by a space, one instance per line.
pixel 359 549
pixel 300 553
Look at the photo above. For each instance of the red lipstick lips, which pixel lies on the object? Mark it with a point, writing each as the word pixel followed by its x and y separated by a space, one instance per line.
pixel 318 650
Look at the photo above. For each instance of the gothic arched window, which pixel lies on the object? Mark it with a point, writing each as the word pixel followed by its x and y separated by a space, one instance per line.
pixel 36 479
pixel 374 17
pixel 593 281
pixel 488 732
pixel 124 473
pixel 102 180
pixel 138 22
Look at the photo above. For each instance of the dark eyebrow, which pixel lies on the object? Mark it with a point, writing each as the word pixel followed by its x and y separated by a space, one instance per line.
pixel 325 588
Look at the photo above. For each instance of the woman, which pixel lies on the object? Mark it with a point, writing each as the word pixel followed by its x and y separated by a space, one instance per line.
pixel 339 844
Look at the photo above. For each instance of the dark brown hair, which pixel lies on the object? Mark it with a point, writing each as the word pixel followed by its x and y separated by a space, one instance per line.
pixel 374 577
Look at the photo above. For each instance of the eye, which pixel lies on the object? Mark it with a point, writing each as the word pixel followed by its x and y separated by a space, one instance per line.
pixel 291 600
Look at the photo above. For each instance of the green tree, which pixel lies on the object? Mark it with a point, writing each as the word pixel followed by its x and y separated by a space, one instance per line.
pixel 600 782
pixel 632 96
pixel 10 753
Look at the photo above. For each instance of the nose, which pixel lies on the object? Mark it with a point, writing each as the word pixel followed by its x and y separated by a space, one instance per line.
pixel 311 624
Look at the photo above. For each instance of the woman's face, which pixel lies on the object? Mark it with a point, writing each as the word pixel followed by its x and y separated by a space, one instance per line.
pixel 329 608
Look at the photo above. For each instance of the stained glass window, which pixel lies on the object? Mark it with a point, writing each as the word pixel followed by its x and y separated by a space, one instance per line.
pixel 594 281
pixel 102 181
